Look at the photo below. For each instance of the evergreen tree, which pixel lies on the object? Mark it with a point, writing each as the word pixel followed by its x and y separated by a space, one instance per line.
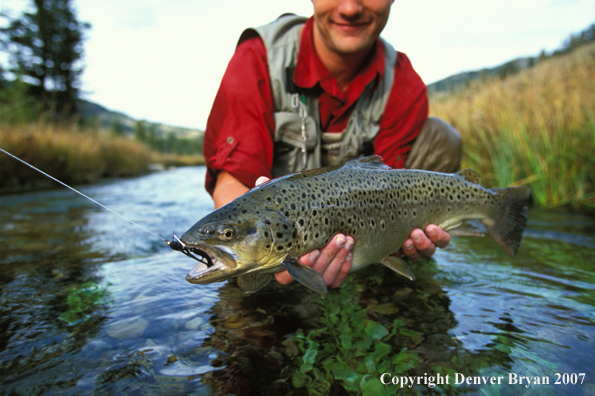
pixel 45 49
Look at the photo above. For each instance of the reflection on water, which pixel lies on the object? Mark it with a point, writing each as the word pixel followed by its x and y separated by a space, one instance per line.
pixel 91 303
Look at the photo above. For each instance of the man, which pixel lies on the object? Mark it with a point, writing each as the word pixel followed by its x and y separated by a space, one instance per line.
pixel 303 93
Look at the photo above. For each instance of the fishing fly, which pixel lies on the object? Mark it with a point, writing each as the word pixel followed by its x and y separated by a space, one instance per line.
pixel 180 246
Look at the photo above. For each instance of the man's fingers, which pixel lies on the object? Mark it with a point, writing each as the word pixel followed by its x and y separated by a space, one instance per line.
pixel 439 237
pixel 261 180
pixel 343 271
pixel 332 258
pixel 424 244
pixel 333 261
pixel 308 259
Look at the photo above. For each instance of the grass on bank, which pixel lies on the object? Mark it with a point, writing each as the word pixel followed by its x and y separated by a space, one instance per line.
pixel 534 128
pixel 73 156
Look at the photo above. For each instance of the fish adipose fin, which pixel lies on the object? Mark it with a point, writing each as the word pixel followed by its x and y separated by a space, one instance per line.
pixel 306 276
pixel 470 175
pixel 251 283
pixel 399 266
pixel 508 228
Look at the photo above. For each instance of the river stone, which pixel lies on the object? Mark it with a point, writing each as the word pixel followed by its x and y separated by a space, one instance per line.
pixel 195 323
pixel 127 328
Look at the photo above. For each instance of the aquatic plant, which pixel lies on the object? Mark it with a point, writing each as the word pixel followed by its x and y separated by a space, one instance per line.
pixel 82 301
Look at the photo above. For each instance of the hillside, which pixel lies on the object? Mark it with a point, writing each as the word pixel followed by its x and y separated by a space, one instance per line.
pixel 462 80
pixel 92 113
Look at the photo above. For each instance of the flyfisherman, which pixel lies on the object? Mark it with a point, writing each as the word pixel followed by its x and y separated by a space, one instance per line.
pixel 303 93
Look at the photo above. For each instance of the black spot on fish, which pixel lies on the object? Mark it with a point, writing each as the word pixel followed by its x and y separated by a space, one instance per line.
pixel 279 235
pixel 279 247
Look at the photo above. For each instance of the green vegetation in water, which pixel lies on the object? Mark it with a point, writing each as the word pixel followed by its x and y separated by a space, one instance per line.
pixel 357 343
pixel 82 301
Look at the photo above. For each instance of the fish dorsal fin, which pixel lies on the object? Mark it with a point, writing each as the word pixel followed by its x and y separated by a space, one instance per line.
pixel 251 283
pixel 470 175
pixel 306 276
pixel 399 266
pixel 370 162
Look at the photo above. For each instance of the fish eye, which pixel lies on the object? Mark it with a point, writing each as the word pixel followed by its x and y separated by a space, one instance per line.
pixel 225 232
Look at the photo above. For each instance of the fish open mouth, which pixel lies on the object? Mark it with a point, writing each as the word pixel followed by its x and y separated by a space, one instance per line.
pixel 208 263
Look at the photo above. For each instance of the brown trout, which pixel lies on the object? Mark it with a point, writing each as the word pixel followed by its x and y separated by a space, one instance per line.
pixel 267 229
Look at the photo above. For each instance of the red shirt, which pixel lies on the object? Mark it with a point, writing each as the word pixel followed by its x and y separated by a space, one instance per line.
pixel 240 129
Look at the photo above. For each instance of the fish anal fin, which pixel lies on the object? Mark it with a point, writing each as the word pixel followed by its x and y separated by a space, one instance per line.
pixel 306 276
pixel 250 283
pixel 470 175
pixel 398 265
pixel 468 228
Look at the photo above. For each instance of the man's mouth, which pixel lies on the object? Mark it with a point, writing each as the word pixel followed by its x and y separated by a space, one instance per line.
pixel 351 26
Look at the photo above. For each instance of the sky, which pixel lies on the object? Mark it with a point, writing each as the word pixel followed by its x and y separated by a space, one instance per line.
pixel 162 61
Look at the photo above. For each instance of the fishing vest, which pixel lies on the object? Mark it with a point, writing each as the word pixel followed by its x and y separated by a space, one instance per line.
pixel 298 142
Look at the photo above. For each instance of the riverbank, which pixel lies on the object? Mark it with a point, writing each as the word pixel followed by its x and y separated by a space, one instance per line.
pixel 534 128
pixel 74 156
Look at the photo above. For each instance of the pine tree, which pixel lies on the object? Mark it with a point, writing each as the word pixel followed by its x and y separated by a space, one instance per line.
pixel 45 49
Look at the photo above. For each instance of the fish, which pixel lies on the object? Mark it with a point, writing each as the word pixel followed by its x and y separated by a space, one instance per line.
pixel 268 228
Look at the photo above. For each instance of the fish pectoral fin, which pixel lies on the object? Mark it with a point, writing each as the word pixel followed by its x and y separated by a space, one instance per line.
pixel 306 276
pixel 251 283
pixel 398 265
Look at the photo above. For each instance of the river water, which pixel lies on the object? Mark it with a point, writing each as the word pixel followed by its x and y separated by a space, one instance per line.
pixel 91 304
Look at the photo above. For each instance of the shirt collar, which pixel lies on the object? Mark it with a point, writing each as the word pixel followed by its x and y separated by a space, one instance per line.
pixel 310 71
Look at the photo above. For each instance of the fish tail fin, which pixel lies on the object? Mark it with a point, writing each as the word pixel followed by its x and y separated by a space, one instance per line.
pixel 507 228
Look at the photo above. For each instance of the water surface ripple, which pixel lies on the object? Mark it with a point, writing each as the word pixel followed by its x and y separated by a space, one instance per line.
pixel 93 304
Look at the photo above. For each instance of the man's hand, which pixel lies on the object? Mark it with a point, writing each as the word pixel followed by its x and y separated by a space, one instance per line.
pixel 333 261
pixel 419 244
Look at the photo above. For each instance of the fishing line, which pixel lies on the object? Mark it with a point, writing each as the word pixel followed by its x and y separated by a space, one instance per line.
pixel 85 196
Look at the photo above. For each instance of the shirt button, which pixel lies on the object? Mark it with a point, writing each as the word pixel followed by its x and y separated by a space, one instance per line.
pixel 230 140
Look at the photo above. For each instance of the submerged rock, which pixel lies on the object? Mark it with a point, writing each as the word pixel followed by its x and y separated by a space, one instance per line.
pixel 127 328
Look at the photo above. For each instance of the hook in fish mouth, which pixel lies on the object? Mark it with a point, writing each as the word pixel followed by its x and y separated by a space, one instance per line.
pixel 177 244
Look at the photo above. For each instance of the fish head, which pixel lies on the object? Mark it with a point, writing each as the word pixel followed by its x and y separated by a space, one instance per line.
pixel 237 242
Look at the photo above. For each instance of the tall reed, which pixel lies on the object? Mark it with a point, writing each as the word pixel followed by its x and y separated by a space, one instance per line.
pixel 67 153
pixel 534 128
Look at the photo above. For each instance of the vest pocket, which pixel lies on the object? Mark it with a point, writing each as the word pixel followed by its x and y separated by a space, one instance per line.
pixel 288 130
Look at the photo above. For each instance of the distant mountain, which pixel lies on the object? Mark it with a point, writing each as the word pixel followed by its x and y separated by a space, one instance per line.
pixel 462 80
pixel 93 113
